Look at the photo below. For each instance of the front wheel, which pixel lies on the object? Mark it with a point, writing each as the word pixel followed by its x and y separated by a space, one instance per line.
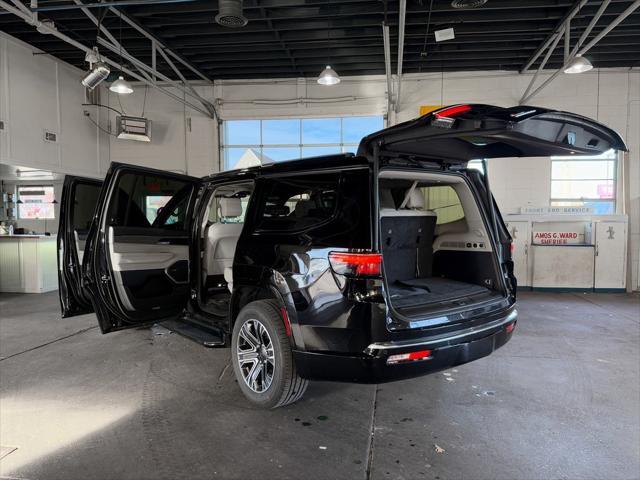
pixel 262 358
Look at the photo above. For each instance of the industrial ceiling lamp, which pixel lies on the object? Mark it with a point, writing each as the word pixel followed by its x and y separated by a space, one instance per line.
pixel 328 76
pixel 578 64
pixel 121 86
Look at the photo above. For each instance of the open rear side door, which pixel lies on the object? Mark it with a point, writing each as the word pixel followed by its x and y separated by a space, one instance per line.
pixel 77 208
pixel 137 261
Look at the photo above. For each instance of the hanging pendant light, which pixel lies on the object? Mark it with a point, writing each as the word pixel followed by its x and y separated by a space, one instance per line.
pixel 328 76
pixel 578 64
pixel 121 86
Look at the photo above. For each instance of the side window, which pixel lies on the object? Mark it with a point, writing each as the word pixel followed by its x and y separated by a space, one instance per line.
pixel 297 203
pixel 149 201
pixel 445 202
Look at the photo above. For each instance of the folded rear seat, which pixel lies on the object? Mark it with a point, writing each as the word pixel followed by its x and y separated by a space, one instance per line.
pixel 407 239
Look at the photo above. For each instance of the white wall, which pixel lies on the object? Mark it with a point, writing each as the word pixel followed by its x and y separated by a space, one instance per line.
pixel 37 92
pixel 182 140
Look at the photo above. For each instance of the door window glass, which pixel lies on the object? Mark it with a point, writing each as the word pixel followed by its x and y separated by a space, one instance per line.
pixel 85 199
pixel 149 201
pixel 297 203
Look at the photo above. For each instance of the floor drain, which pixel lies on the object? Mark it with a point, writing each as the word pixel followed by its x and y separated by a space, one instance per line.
pixel 4 451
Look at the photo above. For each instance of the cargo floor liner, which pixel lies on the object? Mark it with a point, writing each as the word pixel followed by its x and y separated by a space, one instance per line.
pixel 419 291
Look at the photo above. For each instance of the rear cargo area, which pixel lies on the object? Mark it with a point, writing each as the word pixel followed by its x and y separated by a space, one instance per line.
pixel 436 249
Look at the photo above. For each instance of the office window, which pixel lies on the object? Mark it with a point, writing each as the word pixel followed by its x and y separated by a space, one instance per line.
pixel 585 181
pixel 247 143
pixel 35 202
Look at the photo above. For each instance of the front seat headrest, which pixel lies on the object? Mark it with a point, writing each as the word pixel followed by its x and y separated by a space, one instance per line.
pixel 230 207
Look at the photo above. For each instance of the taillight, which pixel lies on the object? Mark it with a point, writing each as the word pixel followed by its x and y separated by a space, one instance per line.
pixel 409 357
pixel 512 247
pixel 509 328
pixel 452 111
pixel 356 264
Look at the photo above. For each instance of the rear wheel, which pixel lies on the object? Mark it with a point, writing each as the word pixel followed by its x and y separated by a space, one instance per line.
pixel 262 357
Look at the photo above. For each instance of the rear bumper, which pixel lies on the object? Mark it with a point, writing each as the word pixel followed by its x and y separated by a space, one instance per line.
pixel 372 366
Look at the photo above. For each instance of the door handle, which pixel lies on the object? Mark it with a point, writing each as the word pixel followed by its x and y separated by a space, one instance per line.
pixel 163 242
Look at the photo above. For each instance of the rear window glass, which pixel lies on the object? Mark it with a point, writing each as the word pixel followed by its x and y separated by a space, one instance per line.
pixel 145 201
pixel 445 202
pixel 298 203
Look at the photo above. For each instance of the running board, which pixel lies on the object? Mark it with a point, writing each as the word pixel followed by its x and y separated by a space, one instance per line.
pixel 204 336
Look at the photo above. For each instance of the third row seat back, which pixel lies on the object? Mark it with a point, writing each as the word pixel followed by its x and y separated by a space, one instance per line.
pixel 407 237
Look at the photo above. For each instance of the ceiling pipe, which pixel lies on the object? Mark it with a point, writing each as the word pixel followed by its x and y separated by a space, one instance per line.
pixel 387 64
pixel 116 4
pixel 401 25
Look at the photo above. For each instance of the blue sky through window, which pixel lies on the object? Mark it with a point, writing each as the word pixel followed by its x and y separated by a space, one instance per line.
pixel 247 142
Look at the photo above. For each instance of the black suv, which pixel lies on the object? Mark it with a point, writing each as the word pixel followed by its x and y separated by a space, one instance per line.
pixel 388 264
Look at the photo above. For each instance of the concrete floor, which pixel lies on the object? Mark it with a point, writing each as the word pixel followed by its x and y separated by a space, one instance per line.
pixel 561 400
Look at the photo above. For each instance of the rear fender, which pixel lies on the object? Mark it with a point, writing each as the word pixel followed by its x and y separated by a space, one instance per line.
pixel 271 287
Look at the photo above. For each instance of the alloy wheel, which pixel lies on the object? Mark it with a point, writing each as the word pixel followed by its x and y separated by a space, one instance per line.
pixel 255 355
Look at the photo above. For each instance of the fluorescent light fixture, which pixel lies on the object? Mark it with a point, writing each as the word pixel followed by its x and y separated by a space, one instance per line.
pixel 578 64
pixel 328 76
pixel 121 86
pixel 99 72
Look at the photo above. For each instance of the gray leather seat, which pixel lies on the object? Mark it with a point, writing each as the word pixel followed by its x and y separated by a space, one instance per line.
pixel 222 239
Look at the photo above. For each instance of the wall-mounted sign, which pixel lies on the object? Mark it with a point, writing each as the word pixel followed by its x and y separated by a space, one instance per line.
pixel 557 210
pixel 560 233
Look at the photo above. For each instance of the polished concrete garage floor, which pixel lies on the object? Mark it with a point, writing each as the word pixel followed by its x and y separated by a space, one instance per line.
pixel 561 400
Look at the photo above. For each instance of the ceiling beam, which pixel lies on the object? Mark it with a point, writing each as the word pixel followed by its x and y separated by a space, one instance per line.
pixel 29 18
pixel 160 44
pixel 632 8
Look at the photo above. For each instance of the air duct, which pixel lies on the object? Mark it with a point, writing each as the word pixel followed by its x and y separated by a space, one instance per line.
pixel 230 14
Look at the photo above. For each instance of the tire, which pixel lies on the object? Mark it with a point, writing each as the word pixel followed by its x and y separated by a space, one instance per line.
pixel 277 383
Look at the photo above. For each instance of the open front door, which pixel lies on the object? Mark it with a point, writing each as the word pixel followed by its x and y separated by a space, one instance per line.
pixel 77 207
pixel 137 265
